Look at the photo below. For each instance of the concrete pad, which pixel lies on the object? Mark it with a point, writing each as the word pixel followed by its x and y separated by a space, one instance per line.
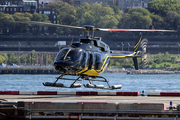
pixel 142 106
pixel 99 105
pixel 52 105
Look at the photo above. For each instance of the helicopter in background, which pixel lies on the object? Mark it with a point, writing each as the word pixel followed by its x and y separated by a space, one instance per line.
pixel 89 57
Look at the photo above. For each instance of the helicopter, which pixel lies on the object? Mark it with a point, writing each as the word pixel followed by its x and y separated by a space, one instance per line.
pixel 89 57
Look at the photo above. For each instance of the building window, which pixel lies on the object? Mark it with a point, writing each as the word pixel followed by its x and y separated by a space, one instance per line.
pixel 47 12
pixel 7 9
pixel 6 2
pixel 40 12
pixel 28 9
pixel 52 12
pixel 54 22
pixel 10 9
pixel 54 17
pixel 21 9
pixel 14 9
pixel 1 9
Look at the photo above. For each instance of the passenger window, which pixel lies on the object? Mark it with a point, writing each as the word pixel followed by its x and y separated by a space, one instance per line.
pixel 98 62
pixel 84 60
pixel 90 61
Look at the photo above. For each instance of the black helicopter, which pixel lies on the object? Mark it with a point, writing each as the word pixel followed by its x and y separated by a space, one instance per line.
pixel 89 57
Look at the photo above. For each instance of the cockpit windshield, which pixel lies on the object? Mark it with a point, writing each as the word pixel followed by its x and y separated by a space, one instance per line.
pixel 62 54
pixel 72 54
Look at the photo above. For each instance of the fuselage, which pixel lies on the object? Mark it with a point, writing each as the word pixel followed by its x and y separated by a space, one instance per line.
pixel 88 57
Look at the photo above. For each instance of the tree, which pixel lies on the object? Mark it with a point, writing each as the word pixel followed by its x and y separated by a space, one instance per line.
pixel 172 21
pixel 6 57
pixel 35 29
pixel 5 24
pixel 12 58
pixel 66 15
pixel 136 18
pixel 157 21
pixel 2 59
pixel 97 15
pixel 21 28
pixel 162 7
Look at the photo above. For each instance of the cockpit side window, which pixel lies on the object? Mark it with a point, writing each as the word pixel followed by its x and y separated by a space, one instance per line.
pixel 74 55
pixel 61 54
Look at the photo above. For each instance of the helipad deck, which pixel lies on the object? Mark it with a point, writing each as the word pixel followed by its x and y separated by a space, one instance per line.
pixel 68 106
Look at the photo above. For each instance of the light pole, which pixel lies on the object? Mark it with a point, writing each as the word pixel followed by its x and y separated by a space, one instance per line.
pixel 122 45
pixel 128 46
pixel 7 31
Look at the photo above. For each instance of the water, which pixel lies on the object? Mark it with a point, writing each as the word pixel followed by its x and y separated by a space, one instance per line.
pixel 136 83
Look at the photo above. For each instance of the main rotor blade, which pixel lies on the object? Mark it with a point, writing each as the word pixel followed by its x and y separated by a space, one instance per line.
pixel 48 24
pixel 140 30
pixel 90 28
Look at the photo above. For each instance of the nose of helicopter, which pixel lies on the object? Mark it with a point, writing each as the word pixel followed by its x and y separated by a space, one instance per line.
pixel 64 66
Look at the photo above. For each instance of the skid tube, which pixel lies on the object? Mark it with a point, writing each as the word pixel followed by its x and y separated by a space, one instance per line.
pixel 81 78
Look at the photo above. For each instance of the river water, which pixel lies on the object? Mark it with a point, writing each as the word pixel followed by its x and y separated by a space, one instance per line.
pixel 135 83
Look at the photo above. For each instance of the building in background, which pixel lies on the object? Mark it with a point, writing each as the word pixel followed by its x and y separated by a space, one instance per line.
pixel 51 13
pixel 125 5
pixel 12 6
pixel 30 6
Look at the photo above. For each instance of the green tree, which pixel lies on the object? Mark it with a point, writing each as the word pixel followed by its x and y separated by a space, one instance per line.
pixel 172 21
pixel 162 7
pixel 21 28
pixel 154 65
pixel 12 58
pixel 6 58
pixel 36 29
pixel 157 21
pixel 5 24
pixel 136 18
pixel 2 59
pixel 66 15
pixel 158 58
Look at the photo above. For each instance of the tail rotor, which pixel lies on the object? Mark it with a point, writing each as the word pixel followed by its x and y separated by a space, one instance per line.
pixel 144 53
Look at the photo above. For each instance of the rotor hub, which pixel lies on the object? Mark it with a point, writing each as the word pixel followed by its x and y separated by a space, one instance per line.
pixel 89 28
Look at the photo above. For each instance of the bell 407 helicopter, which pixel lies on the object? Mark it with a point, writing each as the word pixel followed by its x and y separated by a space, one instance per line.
pixel 89 57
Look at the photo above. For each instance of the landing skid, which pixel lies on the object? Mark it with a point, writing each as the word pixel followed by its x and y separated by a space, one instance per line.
pixel 81 78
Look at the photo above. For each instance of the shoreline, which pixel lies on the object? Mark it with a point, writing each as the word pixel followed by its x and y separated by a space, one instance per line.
pixel 50 70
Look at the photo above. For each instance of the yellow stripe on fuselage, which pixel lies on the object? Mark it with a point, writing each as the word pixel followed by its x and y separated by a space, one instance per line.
pixel 93 72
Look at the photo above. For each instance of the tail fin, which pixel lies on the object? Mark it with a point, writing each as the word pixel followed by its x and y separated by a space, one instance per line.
pixel 137 43
pixel 136 64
